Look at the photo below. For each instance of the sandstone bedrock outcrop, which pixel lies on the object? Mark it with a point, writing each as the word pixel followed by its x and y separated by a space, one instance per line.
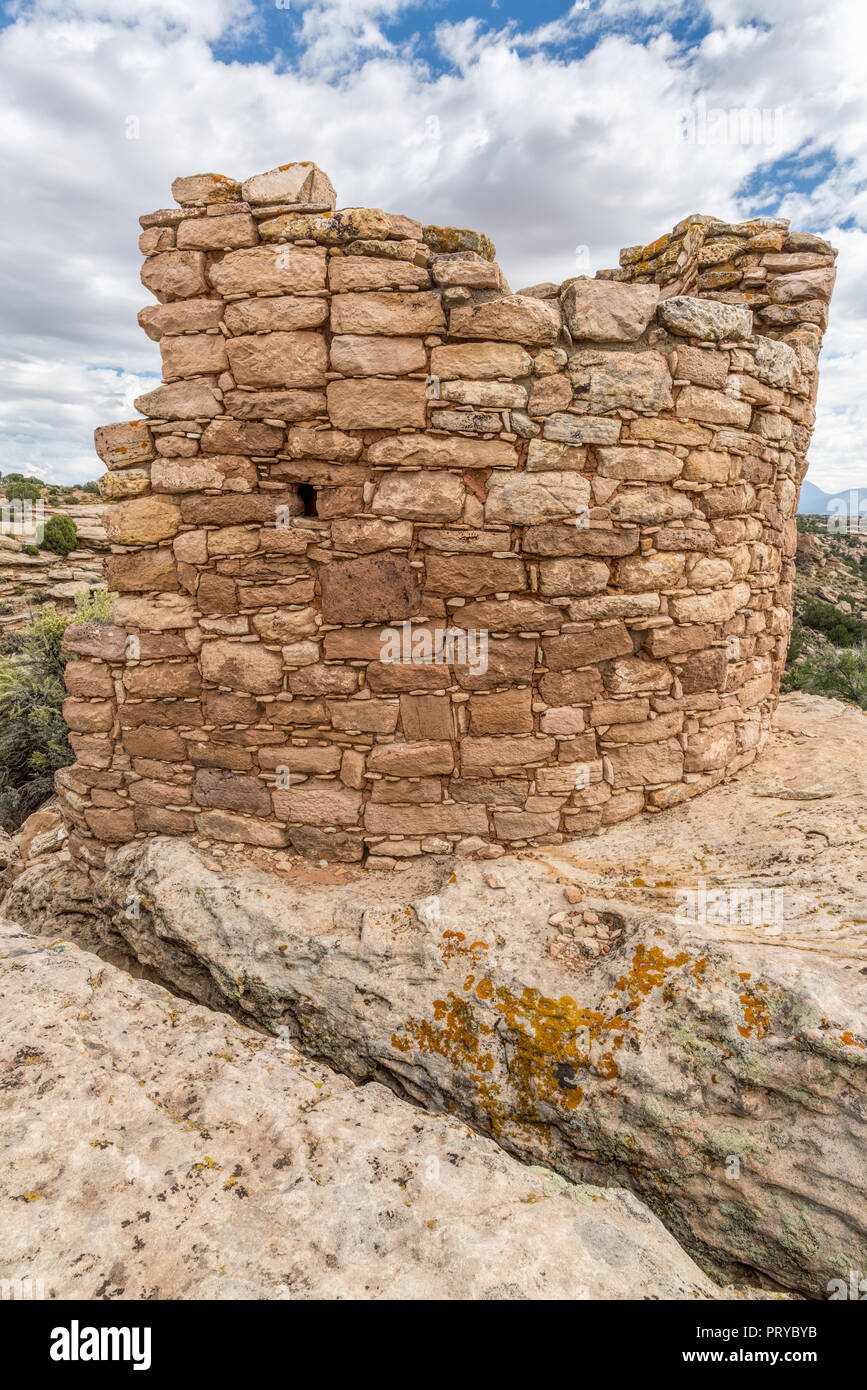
pixel 361 426
pixel 610 1008
pixel 158 1150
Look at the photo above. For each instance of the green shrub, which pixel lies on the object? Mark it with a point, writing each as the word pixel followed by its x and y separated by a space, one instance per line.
pixel 60 535
pixel 840 675
pixel 90 487
pixel 843 629
pixel 796 643
pixel 22 490
pixel 94 607
pixel 31 549
pixel 33 734
pixel 11 641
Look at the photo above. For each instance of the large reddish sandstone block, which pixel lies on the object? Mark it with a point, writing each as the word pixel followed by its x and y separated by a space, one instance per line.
pixel 355 355
pixel 398 315
pixel 318 802
pixel 242 666
pixel 284 269
pixel 516 318
pixel 378 405
pixel 279 359
pixel 142 571
pixel 378 587
pixel 411 759
pixel 142 521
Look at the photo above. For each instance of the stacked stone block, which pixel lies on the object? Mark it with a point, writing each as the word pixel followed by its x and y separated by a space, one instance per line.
pixel 365 446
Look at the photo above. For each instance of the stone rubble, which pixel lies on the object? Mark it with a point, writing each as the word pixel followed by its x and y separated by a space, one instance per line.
pixel 156 1150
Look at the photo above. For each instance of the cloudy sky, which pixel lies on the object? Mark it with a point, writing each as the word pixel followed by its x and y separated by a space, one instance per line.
pixel 564 132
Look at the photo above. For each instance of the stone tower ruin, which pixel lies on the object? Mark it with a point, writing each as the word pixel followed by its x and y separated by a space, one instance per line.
pixel 407 563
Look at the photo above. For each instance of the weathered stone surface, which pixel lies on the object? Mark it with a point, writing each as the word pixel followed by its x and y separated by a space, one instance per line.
pixel 577 429
pixel 276 313
pixel 651 571
pixel 158 680
pixel 480 360
pixel 189 316
pixel 650 505
pixel 641 764
pixel 283 269
pixel 604 381
pixel 128 482
pixel 298 182
pixel 279 359
pixel 143 521
pixel 805 284
pixel 289 405
pixel 556 1246
pixel 356 355
pixel 710 608
pixel 543 454
pixel 233 472
pixel 182 400
pixel 159 614
pixel 218 233
pixel 231 791
pixel 124 445
pixel 608 311
pixel 240 437
pixel 242 665
pixel 515 318
pixel 572 650
pixel 775 363
pixel 364 404
pixel 491 395
pixel 394 315
pixel 318 802
pixel 702 366
pixel 549 394
pixel 558 577
pixel 350 273
pixel 574 540
pixel 443 451
pixel 706 319
pixel 193 354
pixel 378 587
pixel 420 496
pixel 346 225
pixel 526 499
pixel 196 190
pixel 637 464
pixel 478 274
pixel 473 574
pixel 697 403
pixel 175 275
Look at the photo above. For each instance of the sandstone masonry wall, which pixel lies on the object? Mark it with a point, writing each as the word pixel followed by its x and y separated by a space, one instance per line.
pixel 408 563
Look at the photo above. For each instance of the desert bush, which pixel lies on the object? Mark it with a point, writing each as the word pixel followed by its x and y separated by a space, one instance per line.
pixel 33 733
pixel 843 629
pixel 21 490
pixel 796 643
pixel 93 607
pixel 839 675
pixel 60 535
